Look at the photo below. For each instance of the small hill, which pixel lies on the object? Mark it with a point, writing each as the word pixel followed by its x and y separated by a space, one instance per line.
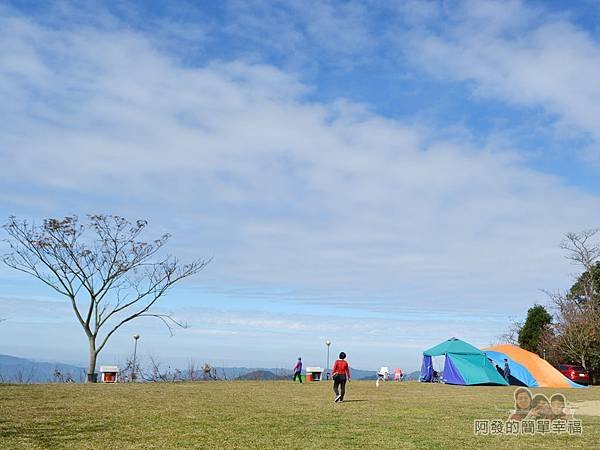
pixel 413 376
pixel 358 374
pixel 234 373
pixel 261 375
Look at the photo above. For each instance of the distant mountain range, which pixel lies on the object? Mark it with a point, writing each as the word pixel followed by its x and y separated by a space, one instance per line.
pixel 413 376
pixel 232 373
pixel 357 374
pixel 21 370
pixel 260 375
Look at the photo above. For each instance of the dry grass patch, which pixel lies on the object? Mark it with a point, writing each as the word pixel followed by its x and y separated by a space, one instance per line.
pixel 266 415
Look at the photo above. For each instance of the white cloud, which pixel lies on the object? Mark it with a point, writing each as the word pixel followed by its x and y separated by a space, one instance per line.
pixel 356 209
pixel 518 54
pixel 44 329
pixel 311 34
pixel 325 194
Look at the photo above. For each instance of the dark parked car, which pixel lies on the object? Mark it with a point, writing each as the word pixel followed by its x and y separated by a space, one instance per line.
pixel 575 373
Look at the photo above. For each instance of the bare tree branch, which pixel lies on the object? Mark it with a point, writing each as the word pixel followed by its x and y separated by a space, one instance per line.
pixel 574 335
pixel 583 249
pixel 108 273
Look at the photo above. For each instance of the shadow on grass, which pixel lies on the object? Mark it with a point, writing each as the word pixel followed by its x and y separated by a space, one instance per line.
pixel 357 400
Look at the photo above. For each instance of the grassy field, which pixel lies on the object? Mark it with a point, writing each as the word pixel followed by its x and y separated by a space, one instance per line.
pixel 267 415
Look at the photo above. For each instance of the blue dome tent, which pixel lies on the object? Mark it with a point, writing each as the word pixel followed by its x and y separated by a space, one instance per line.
pixel 464 364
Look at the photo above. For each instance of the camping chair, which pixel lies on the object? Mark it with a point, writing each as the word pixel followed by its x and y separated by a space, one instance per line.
pixel 385 373
pixel 437 377
pixel 382 375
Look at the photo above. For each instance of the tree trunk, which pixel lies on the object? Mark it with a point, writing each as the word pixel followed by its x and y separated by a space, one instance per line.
pixel 92 376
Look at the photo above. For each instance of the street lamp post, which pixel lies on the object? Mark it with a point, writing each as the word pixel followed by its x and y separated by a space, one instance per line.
pixel 327 343
pixel 135 338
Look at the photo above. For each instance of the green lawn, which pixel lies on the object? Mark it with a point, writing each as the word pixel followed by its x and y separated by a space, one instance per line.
pixel 266 415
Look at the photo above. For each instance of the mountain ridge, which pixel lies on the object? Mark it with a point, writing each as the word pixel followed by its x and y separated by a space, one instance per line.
pixel 24 370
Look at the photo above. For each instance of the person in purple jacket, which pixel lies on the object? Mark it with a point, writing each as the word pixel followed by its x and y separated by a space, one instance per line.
pixel 298 370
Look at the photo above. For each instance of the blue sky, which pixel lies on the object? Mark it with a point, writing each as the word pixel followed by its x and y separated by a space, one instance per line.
pixel 382 174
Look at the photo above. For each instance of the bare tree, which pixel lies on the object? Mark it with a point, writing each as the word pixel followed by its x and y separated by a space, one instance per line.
pixel 108 274
pixel 128 372
pixel 583 250
pixel 511 336
pixel 24 375
pixel 59 377
pixel 193 371
pixel 124 375
pixel 209 372
pixel 575 332
pixel 157 373
pixel 574 335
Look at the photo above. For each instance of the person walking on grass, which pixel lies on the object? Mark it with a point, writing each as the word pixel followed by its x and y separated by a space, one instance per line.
pixel 340 374
pixel 298 370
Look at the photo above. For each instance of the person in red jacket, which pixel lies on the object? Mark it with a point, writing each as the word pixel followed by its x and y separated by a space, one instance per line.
pixel 340 374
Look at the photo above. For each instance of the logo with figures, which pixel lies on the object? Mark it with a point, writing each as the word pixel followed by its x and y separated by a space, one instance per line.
pixel 533 414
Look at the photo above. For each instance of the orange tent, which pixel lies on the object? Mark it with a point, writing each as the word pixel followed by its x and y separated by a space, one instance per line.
pixel 543 372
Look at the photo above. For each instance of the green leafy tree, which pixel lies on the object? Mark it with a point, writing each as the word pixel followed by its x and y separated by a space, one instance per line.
pixel 586 286
pixel 537 321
